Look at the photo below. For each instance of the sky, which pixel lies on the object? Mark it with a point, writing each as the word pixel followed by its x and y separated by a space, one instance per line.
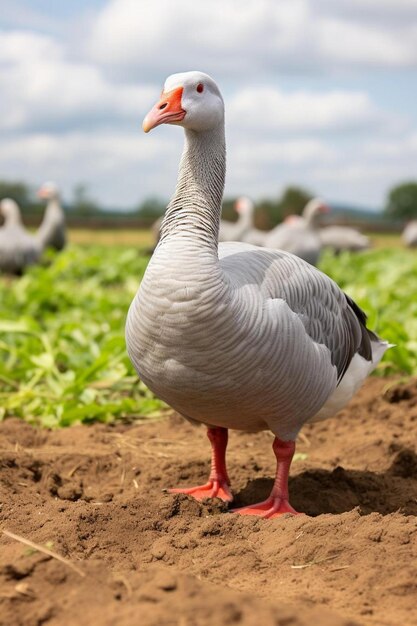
pixel 317 93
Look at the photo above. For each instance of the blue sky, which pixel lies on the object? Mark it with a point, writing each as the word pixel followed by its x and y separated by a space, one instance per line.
pixel 317 93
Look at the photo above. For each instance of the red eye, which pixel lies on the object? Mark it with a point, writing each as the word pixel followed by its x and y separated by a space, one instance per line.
pixel 200 87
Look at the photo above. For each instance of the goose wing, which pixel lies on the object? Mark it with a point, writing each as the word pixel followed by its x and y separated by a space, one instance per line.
pixel 329 316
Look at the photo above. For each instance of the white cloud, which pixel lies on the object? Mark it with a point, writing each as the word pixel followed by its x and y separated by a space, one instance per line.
pixel 288 152
pixel 403 148
pixel 72 100
pixel 40 86
pixel 257 36
pixel 350 43
pixel 270 108
pixel 261 168
pixel 121 167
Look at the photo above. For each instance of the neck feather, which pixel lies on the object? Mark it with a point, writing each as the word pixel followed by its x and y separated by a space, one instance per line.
pixel 194 210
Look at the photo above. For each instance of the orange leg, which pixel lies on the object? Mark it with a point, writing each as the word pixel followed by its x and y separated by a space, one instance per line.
pixel 277 503
pixel 218 485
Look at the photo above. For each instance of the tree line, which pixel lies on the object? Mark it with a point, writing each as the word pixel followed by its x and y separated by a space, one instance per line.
pixel 401 203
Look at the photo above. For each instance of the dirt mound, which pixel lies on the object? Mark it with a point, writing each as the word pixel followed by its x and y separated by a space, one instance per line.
pixel 95 495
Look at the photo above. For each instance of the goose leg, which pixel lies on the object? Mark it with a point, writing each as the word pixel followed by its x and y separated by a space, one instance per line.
pixel 277 503
pixel 218 485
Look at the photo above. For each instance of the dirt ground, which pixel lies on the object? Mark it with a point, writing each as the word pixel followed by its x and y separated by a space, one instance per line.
pixel 138 555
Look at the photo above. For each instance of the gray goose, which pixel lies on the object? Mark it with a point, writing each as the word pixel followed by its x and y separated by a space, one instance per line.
pixel 300 235
pixel 232 335
pixel 18 248
pixel 52 231
pixel 343 238
pixel 235 231
pixel 251 235
pixel 409 235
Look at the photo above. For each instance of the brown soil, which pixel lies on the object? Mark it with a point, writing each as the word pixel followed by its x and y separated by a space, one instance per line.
pixel 95 496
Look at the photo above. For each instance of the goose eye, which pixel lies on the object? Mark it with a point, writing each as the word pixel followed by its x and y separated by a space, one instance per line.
pixel 200 87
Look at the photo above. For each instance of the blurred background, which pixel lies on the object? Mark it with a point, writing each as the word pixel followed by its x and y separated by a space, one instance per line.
pixel 319 96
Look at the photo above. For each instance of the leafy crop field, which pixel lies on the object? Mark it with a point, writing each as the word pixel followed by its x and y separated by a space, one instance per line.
pixel 62 351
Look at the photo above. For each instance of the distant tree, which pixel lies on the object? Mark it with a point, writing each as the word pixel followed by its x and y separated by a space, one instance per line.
pixel 228 210
pixel 18 191
pixel 23 194
pixel 152 208
pixel 81 201
pixel 293 200
pixel 268 214
pixel 402 201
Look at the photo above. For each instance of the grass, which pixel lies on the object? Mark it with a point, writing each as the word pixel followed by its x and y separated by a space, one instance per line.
pixel 63 358
pixel 384 284
pixel 144 238
pixel 62 350
pixel 123 237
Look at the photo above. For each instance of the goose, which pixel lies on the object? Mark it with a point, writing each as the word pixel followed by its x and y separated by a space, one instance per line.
pixel 156 229
pixel 231 335
pixel 341 238
pixel 18 248
pixel 251 235
pixel 52 231
pixel 409 235
pixel 299 235
pixel 234 231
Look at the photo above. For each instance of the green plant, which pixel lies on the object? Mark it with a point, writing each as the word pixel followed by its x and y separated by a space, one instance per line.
pixel 384 284
pixel 62 350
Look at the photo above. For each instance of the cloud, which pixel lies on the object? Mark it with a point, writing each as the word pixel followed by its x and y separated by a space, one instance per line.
pixel 403 148
pixel 349 43
pixel 258 37
pixel 42 88
pixel 122 167
pixel 269 108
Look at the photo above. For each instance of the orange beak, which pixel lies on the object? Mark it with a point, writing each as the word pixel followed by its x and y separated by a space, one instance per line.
pixel 167 111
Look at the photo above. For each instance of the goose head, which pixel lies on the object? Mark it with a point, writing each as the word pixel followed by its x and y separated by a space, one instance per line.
pixel 191 100
pixel 9 209
pixel 313 209
pixel 48 191
pixel 244 206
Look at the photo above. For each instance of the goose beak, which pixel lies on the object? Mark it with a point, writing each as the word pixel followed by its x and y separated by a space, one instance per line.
pixel 167 111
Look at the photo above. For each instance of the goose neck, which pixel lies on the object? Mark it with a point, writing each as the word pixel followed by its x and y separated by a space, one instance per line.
pixel 194 211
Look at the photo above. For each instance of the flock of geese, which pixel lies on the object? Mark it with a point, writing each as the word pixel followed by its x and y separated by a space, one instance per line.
pixel 20 248
pixel 301 235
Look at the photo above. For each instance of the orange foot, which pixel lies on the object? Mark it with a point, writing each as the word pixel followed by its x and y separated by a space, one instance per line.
pixel 272 507
pixel 212 489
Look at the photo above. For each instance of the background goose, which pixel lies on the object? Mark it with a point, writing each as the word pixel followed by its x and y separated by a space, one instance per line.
pixel 234 231
pixel 251 235
pixel 156 230
pixel 409 235
pixel 299 235
pixel 18 248
pixel 341 238
pixel 231 335
pixel 52 231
